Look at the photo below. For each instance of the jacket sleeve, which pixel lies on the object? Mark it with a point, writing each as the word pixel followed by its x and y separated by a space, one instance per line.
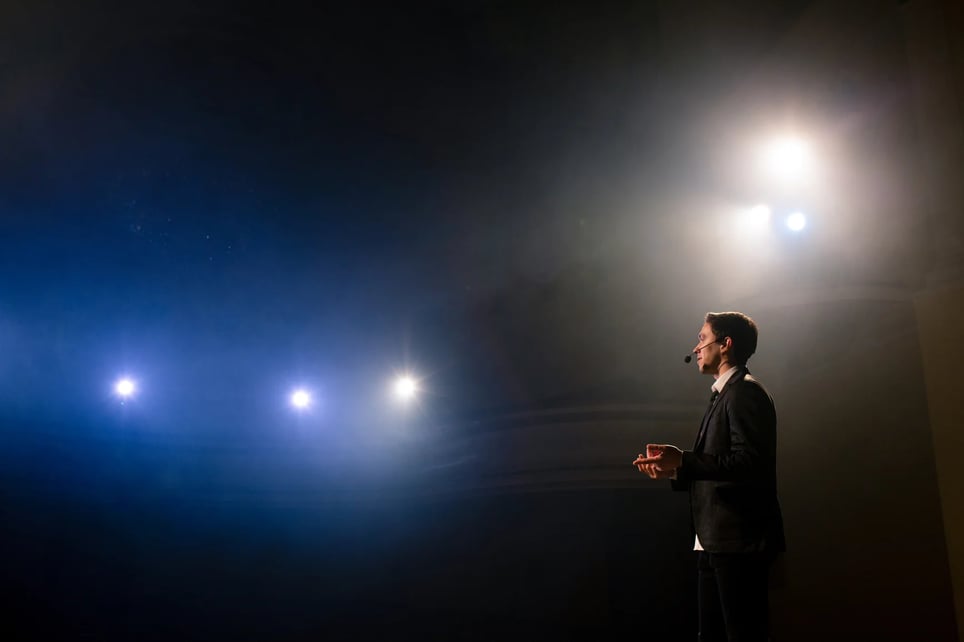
pixel 751 421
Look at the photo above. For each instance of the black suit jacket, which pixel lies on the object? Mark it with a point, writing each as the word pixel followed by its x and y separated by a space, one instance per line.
pixel 731 472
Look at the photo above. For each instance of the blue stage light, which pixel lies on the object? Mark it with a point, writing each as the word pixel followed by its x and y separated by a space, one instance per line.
pixel 301 399
pixel 125 388
pixel 796 221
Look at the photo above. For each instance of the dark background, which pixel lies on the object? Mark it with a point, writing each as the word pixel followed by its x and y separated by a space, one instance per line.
pixel 530 207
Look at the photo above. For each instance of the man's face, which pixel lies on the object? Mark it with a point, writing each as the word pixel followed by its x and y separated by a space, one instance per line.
pixel 709 358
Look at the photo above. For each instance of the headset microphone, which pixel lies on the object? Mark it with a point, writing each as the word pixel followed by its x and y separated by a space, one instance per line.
pixel 689 357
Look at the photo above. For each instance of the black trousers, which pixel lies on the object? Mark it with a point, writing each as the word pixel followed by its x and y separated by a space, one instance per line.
pixel 733 600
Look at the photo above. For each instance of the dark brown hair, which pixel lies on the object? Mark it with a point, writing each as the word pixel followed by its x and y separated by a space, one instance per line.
pixel 740 328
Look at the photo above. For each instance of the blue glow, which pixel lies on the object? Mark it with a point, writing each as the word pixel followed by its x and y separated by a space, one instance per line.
pixel 301 399
pixel 796 221
pixel 125 388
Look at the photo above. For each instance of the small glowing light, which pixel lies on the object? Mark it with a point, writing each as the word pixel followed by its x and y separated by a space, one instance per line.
pixel 796 221
pixel 125 388
pixel 301 399
pixel 405 388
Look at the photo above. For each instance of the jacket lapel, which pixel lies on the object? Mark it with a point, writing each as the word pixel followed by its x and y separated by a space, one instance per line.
pixel 704 425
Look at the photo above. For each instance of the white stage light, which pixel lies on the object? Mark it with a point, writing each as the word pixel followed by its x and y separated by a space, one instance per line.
pixel 787 158
pixel 405 388
pixel 125 388
pixel 796 221
pixel 758 215
pixel 300 399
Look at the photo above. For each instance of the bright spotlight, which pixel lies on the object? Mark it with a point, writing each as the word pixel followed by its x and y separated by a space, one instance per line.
pixel 300 399
pixel 796 221
pixel 788 158
pixel 125 388
pixel 405 388
pixel 758 215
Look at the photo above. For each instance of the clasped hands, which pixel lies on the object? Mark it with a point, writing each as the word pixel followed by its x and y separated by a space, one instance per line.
pixel 660 461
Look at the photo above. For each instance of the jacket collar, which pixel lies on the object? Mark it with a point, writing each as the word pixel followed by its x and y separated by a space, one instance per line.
pixel 741 372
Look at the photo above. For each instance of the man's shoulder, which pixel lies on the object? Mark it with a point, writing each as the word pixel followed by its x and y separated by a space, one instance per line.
pixel 748 378
pixel 747 382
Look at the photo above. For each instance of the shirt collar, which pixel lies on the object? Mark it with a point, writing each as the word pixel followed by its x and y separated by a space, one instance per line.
pixel 723 378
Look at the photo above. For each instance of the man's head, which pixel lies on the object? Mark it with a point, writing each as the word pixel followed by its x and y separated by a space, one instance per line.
pixel 726 339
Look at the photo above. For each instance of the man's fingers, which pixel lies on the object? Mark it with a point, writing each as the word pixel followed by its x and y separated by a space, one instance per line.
pixel 651 465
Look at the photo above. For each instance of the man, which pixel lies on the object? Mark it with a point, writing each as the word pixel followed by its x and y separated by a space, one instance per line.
pixel 731 477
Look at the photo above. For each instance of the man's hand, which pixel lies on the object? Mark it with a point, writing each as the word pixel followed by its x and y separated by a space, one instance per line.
pixel 652 470
pixel 660 462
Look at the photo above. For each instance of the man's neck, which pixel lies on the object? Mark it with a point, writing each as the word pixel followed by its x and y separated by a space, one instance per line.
pixel 724 368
